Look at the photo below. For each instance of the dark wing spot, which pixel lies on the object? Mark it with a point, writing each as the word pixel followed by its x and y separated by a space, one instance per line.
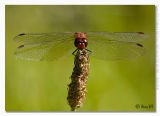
pixel 140 32
pixel 21 34
pixel 140 45
pixel 21 46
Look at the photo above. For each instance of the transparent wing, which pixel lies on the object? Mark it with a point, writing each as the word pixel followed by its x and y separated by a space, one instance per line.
pixel 119 36
pixel 114 50
pixel 27 38
pixel 51 46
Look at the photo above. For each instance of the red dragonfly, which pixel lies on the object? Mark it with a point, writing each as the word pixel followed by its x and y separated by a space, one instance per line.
pixel 57 45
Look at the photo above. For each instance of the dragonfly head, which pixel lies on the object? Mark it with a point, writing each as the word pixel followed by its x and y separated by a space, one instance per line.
pixel 80 40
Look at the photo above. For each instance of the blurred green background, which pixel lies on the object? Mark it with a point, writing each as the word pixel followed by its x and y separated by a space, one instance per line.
pixel 112 85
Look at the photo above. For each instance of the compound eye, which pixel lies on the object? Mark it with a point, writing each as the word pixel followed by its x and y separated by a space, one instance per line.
pixel 76 42
pixel 84 40
pixel 86 43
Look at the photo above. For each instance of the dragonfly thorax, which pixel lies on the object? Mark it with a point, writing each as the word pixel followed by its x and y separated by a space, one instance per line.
pixel 80 40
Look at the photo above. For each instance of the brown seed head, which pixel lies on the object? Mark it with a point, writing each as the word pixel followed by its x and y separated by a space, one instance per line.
pixel 77 87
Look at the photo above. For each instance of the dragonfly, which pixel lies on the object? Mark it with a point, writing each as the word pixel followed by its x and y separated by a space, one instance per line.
pixel 101 45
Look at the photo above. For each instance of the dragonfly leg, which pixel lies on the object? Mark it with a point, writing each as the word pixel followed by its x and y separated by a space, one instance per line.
pixel 74 52
pixel 88 51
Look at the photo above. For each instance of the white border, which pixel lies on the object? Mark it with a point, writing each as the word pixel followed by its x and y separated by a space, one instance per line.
pixel 2 57
pixel 80 2
pixel 73 2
